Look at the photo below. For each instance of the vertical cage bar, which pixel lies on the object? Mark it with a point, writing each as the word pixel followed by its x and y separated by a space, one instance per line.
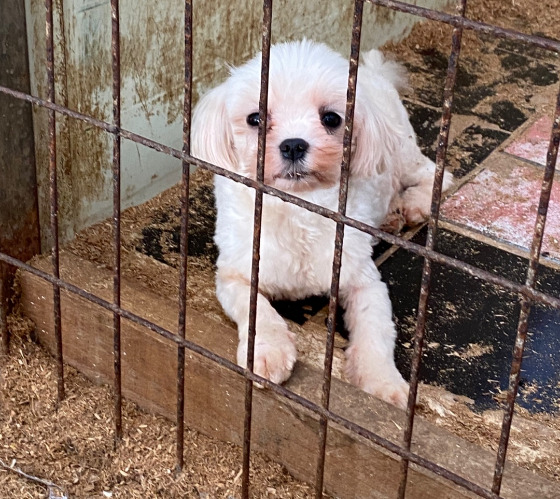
pixel 53 195
pixel 263 112
pixel 339 239
pixel 441 154
pixel 116 67
pixel 184 238
pixel 523 324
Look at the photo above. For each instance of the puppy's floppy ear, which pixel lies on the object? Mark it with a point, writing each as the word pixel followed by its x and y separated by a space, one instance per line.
pixel 374 142
pixel 212 135
pixel 378 126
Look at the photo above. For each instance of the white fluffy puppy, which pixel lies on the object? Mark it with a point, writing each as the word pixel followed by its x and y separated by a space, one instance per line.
pixel 306 106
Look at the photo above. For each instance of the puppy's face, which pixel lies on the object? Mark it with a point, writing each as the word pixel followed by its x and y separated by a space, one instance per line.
pixel 305 127
pixel 305 123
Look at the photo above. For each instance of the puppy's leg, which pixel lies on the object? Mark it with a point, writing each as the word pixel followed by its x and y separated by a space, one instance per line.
pixel 417 181
pixel 275 345
pixel 369 359
pixel 395 219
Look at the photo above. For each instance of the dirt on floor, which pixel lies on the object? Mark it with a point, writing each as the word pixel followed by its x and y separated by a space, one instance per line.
pixel 71 445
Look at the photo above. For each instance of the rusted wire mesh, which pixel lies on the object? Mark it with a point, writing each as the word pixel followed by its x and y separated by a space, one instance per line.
pixel 527 292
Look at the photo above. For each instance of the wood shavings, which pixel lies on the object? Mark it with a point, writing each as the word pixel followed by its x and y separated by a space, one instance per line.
pixel 53 490
pixel 535 438
pixel 72 445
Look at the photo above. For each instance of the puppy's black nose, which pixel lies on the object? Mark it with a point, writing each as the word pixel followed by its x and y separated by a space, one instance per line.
pixel 293 149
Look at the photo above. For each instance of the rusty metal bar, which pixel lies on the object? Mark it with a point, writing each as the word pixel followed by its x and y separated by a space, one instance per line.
pixel 116 67
pixel 523 323
pixel 339 239
pixel 263 112
pixel 184 237
pixel 53 196
pixel 441 153
pixel 277 389
pixel 465 23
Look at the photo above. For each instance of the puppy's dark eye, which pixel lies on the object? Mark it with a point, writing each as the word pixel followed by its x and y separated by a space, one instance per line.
pixel 331 120
pixel 253 119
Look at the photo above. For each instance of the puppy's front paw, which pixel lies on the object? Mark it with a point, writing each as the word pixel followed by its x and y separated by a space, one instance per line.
pixel 417 203
pixel 394 222
pixel 377 376
pixel 417 199
pixel 275 356
pixel 393 391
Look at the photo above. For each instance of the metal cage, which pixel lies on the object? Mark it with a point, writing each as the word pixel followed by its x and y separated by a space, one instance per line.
pixel 527 291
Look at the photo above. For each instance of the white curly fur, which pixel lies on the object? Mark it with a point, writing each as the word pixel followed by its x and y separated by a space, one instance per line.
pixel 388 172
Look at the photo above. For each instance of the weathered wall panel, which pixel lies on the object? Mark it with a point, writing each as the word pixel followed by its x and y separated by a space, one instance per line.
pixel 18 205
pixel 19 224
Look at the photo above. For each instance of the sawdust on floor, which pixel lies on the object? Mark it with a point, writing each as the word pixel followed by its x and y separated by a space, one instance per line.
pixel 72 446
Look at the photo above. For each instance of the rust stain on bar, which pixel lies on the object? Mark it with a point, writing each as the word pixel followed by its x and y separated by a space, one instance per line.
pixel 53 194
pixel 523 324
pixel 116 67
pixel 441 153
pixel 339 239
pixel 184 237
pixel 263 112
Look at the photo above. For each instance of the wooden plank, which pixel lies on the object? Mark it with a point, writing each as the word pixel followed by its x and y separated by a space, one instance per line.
pixel 214 395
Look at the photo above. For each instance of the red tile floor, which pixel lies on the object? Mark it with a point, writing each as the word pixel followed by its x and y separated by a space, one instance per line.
pixel 501 200
pixel 532 145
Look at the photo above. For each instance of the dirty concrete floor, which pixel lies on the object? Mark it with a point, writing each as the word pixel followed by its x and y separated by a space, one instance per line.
pixel 498 144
